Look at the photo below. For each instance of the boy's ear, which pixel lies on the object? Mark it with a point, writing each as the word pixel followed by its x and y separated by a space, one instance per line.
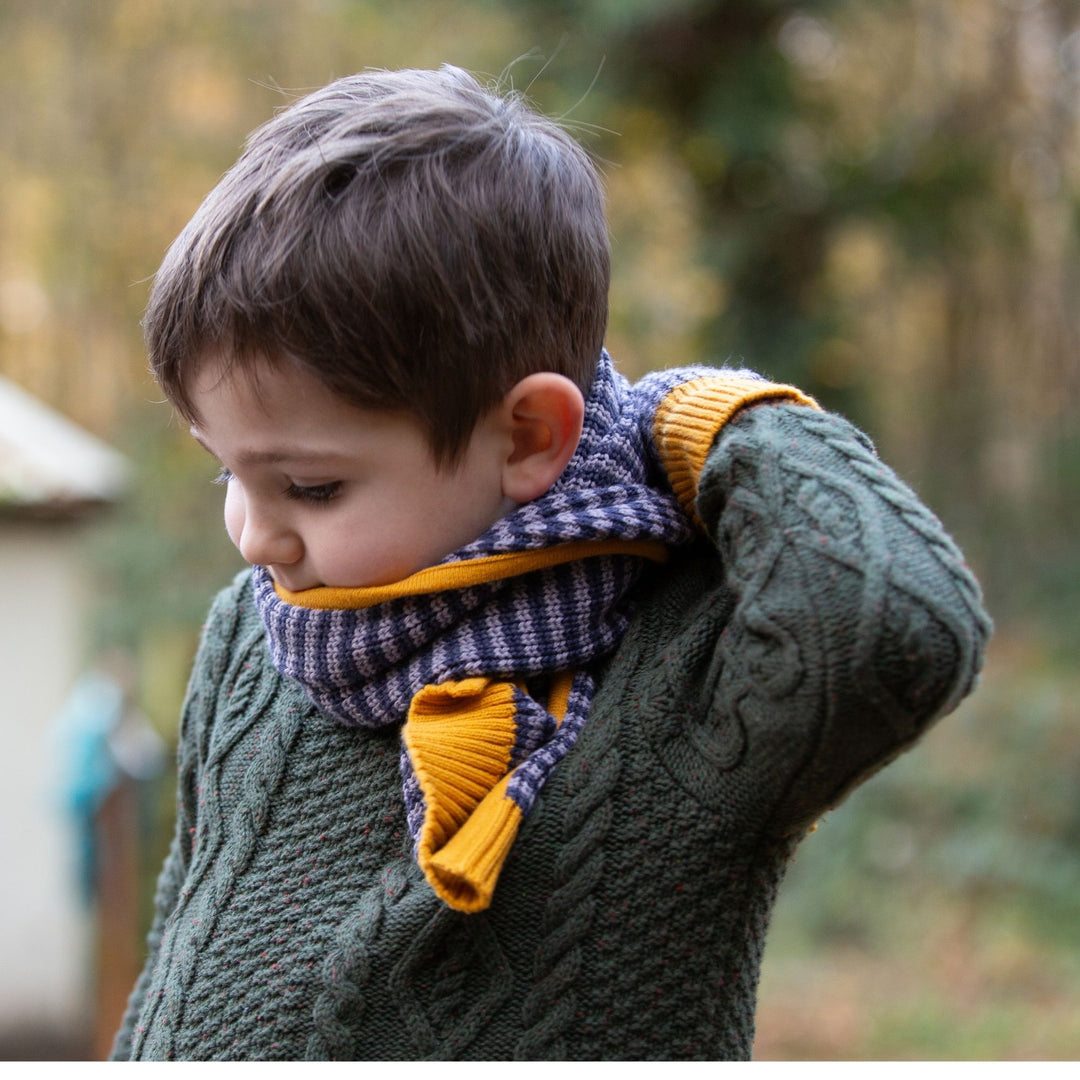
pixel 544 413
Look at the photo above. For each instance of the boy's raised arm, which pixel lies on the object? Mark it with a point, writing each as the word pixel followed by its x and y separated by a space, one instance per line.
pixel 856 622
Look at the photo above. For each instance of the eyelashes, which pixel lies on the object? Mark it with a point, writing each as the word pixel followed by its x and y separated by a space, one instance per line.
pixel 318 493
pixel 315 493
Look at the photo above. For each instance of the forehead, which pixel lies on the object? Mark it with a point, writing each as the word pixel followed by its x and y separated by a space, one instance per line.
pixel 263 412
pixel 258 380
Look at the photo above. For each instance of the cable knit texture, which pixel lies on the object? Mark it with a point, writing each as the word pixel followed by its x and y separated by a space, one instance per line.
pixel 750 693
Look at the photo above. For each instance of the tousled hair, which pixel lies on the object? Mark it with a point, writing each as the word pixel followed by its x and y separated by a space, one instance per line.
pixel 413 240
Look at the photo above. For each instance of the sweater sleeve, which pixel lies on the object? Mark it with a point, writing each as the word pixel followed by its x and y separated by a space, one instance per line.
pixel 856 622
pixel 696 404
pixel 195 722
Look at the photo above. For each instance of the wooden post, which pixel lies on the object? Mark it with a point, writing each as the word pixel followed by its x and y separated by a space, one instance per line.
pixel 117 949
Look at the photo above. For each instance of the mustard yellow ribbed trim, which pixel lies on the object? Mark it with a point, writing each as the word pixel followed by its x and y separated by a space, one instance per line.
pixel 690 416
pixel 460 575
pixel 465 871
pixel 559 697
pixel 459 737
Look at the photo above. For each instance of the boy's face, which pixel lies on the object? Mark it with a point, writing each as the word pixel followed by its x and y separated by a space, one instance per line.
pixel 321 492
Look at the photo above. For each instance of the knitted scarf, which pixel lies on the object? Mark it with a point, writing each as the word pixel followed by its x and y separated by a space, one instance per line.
pixel 488 656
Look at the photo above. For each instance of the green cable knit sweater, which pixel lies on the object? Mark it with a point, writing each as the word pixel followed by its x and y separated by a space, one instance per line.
pixel 752 691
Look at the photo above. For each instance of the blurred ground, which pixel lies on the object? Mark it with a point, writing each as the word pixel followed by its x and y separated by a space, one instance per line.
pixel 935 915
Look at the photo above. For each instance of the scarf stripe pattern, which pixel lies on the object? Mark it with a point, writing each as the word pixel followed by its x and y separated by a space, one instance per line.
pixel 453 661
pixel 364 666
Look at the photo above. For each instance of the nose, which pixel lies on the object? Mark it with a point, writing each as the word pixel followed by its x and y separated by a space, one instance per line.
pixel 265 540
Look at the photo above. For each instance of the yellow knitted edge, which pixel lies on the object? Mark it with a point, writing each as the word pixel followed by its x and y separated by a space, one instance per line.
pixel 559 697
pixel 465 871
pixel 690 416
pixel 459 737
pixel 460 575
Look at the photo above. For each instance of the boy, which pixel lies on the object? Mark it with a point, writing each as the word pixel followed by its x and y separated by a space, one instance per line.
pixel 502 745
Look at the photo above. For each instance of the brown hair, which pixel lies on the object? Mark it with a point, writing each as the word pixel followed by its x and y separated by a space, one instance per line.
pixel 415 241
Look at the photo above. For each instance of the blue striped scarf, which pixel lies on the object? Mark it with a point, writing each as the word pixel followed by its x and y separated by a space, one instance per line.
pixel 366 665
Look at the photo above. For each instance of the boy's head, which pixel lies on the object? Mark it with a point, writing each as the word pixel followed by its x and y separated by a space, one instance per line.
pixel 413 241
pixel 383 320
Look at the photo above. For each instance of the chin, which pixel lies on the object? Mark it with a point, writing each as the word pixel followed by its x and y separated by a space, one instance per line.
pixel 292 584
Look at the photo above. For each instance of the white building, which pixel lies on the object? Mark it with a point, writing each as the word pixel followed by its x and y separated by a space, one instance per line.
pixel 53 476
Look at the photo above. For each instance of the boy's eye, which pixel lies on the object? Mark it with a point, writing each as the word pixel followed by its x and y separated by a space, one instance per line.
pixel 223 477
pixel 317 493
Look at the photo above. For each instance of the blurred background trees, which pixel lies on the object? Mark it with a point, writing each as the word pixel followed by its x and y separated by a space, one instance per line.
pixel 877 201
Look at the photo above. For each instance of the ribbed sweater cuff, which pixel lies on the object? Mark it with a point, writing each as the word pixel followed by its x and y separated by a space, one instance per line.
pixel 690 417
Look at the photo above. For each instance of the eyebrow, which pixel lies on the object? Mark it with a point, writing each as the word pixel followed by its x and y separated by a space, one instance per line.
pixel 272 457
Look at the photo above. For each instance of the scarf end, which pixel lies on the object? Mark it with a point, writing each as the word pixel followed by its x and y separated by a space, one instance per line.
pixel 464 872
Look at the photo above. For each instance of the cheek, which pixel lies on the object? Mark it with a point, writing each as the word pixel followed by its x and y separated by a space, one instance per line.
pixel 234 513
